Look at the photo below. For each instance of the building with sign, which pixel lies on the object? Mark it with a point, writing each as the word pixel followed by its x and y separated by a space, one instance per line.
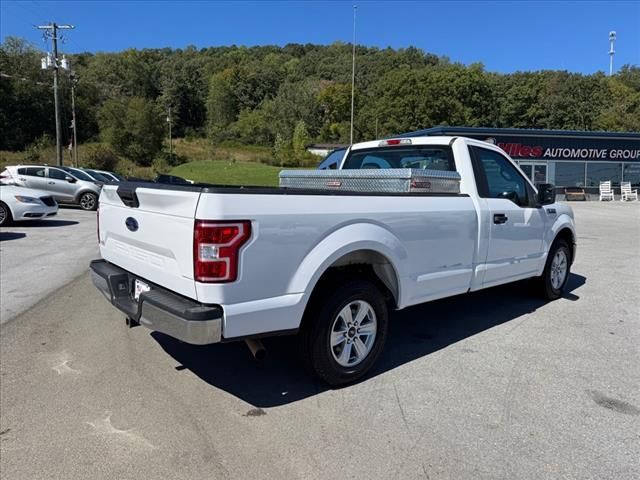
pixel 563 158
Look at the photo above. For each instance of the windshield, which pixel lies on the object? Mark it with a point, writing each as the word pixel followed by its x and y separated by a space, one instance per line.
pixel 99 176
pixel 424 157
pixel 116 176
pixel 79 174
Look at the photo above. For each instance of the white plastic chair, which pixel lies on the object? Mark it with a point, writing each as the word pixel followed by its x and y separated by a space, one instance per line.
pixel 627 193
pixel 606 193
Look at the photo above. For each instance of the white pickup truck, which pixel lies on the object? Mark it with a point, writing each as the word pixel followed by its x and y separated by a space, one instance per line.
pixel 208 264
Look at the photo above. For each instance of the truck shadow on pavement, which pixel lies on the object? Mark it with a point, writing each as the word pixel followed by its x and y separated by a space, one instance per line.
pixel 413 333
pixel 47 223
pixel 4 236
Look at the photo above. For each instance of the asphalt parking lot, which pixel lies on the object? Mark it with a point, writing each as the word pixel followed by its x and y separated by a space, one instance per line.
pixel 496 384
pixel 38 257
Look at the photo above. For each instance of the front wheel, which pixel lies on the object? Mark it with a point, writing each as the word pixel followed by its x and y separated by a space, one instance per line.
pixel 556 271
pixel 88 201
pixel 5 215
pixel 342 340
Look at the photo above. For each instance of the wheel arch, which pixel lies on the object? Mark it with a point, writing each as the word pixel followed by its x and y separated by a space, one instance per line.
pixel 82 192
pixel 566 234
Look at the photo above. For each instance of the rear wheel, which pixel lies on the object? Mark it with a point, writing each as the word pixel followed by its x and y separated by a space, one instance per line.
pixel 556 271
pixel 343 336
pixel 88 201
pixel 5 214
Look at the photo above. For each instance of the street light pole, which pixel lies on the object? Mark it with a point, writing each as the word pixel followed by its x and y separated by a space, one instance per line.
pixel 170 136
pixel 353 71
pixel 74 121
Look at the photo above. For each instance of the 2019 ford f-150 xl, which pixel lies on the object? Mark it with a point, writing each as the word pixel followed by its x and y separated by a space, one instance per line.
pixel 206 264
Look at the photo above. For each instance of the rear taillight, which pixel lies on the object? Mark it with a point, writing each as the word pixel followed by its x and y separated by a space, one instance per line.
pixel 216 247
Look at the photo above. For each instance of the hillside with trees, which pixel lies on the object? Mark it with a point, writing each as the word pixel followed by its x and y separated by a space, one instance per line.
pixel 282 98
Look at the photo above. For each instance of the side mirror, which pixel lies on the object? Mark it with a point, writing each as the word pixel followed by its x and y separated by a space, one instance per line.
pixel 513 196
pixel 546 194
pixel 70 179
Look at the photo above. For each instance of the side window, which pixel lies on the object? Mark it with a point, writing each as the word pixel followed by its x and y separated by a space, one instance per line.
pixel 332 160
pixel 501 177
pixel 32 171
pixel 56 174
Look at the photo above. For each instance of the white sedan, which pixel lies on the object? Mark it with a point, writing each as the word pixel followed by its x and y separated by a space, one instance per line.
pixel 18 203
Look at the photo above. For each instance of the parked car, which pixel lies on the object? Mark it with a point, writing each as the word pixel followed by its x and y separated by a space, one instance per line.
pixel 100 176
pixel 172 180
pixel 112 175
pixel 80 174
pixel 66 186
pixel 206 264
pixel 18 204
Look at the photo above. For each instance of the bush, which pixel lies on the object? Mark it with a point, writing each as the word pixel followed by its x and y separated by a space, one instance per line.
pixel 33 153
pixel 100 157
pixel 160 165
pixel 172 160
pixel 127 168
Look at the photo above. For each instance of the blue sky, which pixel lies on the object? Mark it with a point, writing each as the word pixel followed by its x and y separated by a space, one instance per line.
pixel 505 35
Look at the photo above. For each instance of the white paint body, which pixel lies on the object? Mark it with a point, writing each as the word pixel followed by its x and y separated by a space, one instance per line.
pixel 437 246
pixel 22 210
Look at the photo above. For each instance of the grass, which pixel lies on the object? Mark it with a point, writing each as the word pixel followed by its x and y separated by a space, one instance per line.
pixel 225 164
pixel 228 173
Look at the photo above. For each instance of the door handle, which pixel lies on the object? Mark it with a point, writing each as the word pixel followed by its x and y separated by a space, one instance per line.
pixel 51 183
pixel 499 218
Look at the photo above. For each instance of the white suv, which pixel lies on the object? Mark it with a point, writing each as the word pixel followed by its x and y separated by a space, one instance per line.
pixel 64 186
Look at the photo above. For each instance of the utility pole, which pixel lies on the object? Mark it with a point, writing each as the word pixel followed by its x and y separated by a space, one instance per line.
pixel 74 121
pixel 170 137
pixel 52 31
pixel 353 71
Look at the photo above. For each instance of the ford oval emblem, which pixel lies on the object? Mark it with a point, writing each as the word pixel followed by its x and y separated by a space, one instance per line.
pixel 131 223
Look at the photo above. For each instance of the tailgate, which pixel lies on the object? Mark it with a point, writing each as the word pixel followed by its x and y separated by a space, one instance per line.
pixel 148 231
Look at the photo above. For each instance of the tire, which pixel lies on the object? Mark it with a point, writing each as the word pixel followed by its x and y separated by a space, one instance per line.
pixel 88 201
pixel 556 271
pixel 327 321
pixel 5 215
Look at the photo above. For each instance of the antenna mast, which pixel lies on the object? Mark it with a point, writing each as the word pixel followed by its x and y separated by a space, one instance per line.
pixel 612 52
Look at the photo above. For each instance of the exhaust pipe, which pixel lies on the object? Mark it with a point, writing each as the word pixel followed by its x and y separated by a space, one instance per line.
pixel 130 322
pixel 256 348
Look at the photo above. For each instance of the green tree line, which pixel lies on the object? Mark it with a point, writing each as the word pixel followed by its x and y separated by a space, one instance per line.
pixel 284 97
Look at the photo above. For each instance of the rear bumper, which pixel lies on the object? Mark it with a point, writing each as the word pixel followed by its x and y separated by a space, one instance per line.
pixel 159 309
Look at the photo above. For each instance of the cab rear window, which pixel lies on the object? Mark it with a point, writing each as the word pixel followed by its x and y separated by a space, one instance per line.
pixel 425 157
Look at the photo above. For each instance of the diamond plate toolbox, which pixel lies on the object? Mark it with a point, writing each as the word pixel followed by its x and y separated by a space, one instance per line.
pixel 391 180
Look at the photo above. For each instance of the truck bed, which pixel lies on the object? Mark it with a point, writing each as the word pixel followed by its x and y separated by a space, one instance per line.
pixel 288 240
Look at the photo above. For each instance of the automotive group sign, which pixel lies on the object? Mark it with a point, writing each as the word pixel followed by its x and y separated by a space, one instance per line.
pixel 559 148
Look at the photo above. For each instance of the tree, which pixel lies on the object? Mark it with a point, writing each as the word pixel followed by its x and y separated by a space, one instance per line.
pixel 134 127
pixel 281 150
pixel 300 139
pixel 222 107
